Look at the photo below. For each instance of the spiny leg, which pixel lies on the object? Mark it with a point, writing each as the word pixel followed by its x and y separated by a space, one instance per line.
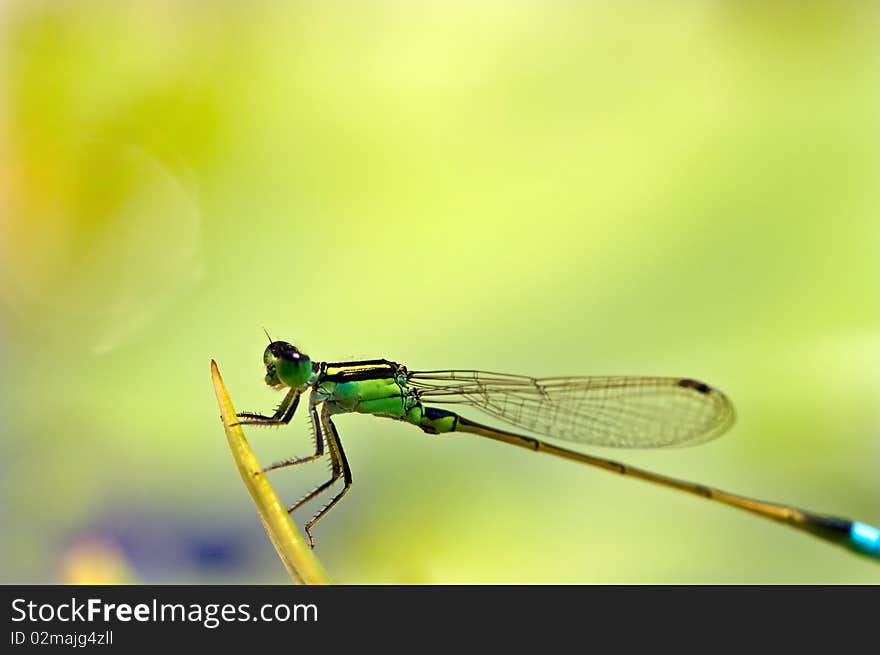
pixel 322 425
pixel 336 466
pixel 319 442
pixel 340 466
pixel 283 415
pixel 285 411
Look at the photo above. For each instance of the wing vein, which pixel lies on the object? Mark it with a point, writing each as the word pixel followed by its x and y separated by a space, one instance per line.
pixel 617 411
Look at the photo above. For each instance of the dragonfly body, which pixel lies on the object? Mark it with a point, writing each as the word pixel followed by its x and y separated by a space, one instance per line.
pixel 377 387
pixel 647 412
pixel 367 389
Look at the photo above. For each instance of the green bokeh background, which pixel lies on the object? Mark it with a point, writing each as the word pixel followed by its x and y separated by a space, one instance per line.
pixel 687 188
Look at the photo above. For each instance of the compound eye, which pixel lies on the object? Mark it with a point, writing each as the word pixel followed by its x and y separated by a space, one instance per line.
pixel 283 349
pixel 290 353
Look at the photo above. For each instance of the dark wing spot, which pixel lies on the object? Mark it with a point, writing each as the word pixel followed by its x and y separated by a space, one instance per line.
pixel 702 387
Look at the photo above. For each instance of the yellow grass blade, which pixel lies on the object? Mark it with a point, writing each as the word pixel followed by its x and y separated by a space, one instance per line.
pixel 300 561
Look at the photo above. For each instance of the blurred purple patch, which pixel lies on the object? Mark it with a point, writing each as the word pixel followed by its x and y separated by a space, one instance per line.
pixel 167 548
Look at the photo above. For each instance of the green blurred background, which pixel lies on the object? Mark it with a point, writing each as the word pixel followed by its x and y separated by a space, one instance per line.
pixel 687 188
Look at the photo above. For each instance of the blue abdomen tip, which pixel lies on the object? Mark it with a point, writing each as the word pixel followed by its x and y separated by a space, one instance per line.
pixel 865 537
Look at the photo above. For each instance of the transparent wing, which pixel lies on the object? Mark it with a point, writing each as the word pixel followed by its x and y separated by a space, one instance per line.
pixel 622 412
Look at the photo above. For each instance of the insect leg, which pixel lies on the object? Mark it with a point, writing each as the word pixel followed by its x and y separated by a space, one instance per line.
pixel 282 415
pixel 319 442
pixel 339 465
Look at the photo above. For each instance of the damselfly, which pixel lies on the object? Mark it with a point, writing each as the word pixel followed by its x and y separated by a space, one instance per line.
pixel 625 412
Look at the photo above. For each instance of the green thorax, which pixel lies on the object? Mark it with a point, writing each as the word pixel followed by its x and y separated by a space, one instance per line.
pixel 377 388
